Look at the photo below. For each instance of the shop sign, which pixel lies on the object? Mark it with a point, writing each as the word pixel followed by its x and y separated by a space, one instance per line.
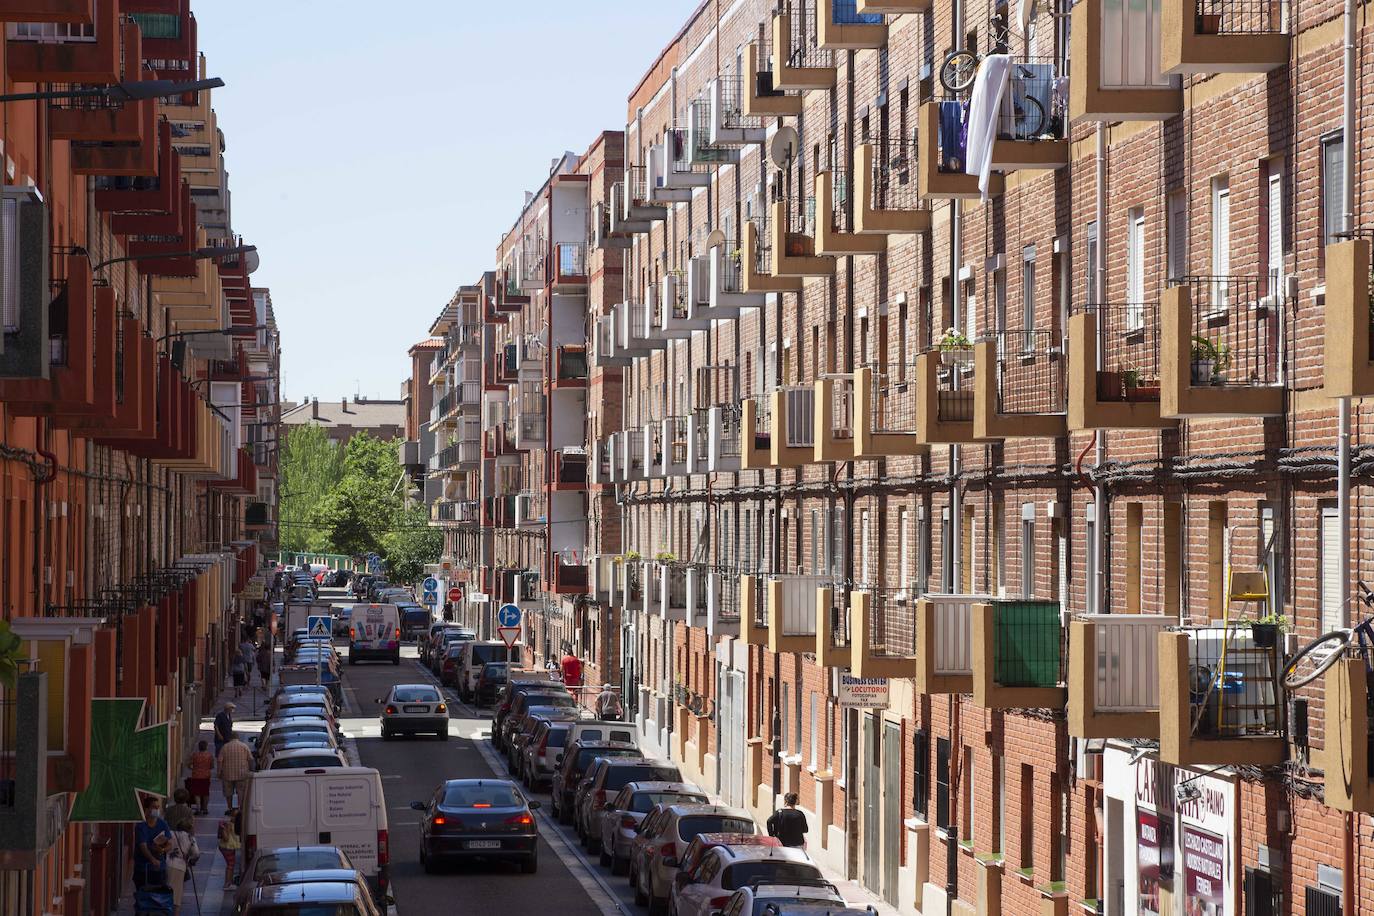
pixel 1155 859
pixel 1204 871
pixel 862 692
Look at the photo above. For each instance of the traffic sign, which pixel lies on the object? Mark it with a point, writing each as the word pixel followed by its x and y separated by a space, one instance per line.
pixel 319 626
pixel 455 594
pixel 509 635
pixel 431 584
pixel 430 598
pixel 478 598
pixel 509 616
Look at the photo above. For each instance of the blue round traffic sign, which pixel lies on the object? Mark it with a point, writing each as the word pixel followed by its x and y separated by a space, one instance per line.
pixel 508 615
pixel 431 584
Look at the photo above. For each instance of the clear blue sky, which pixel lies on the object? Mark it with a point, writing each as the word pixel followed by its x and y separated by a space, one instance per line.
pixel 377 152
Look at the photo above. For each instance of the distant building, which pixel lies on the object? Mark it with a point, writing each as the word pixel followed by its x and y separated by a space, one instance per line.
pixel 343 419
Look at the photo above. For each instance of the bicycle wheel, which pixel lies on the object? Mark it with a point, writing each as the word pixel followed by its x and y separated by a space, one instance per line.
pixel 1030 118
pixel 1314 658
pixel 958 70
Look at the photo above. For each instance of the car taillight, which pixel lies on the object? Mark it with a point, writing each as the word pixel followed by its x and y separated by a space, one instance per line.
pixel 600 798
pixel 668 850
pixel 352 633
pixel 717 902
pixel 519 820
pixel 391 710
pixel 439 821
pixel 441 708
pixel 383 848
pixel 544 744
pixel 627 822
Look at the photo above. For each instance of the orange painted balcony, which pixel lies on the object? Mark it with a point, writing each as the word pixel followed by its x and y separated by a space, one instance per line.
pixel 169 35
pixel 77 12
pixel 135 389
pixel 791 443
pixel 836 223
pixel 892 7
pixel 753 609
pixel 944 642
pixel 1349 337
pixel 1220 698
pixel 1221 341
pixel 833 647
pixel 1019 386
pixel 569 366
pixel 799 61
pixel 945 382
pixel 793 241
pixel 940 171
pixel 1113 675
pixel 841 26
pixel 882 627
pixel 1348 751
pixel 757 259
pixel 1115 59
pixel 763 98
pixel 569 470
pixel 1018 654
pixel 885 412
pixel 722 602
pixel 833 435
pixel 69 52
pixel 100 120
pixel 887 195
pixel 179 222
pixel 1223 36
pixel 144 194
pixel 792 604
pixel 1105 343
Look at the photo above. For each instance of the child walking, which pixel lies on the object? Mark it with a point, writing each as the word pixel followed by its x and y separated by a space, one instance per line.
pixel 229 844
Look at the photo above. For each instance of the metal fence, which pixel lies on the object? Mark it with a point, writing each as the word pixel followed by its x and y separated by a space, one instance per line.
pixel 1035 101
pixel 1238 17
pixel 799 402
pixel 637 184
pixel 842 408
pixel 763 423
pixel 894 403
pixel 892 623
pixel 894 176
pixel 677 440
pixel 731 272
pixel 805 50
pixel 954 385
pixel 841 211
pixel 1233 685
pixel 1128 348
pixel 571 261
pixel 728 603
pixel 838 619
pixel 731 425
pixel 1235 331
pixel 1031 373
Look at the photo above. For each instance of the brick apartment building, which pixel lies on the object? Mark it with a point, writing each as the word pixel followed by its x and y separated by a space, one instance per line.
pixel 138 393
pixel 945 499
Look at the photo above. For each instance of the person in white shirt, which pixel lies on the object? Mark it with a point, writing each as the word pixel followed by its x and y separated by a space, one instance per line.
pixel 181 856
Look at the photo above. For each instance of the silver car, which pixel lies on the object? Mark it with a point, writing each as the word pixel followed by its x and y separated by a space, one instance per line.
pixel 267 862
pixel 619 821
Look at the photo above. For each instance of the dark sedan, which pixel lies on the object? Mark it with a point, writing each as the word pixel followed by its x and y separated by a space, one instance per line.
pixel 478 819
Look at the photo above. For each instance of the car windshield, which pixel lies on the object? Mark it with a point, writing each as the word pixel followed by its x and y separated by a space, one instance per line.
pixel 643 802
pixel 485 795
pixel 296 860
pixel 484 654
pixel 776 872
pixel 693 824
pixel 588 754
pixel 621 776
pixel 416 695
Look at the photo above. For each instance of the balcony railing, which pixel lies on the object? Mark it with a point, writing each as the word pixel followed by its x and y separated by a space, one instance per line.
pixel 731 271
pixel 637 185
pixel 730 440
pixel 1031 377
pixel 570 363
pixel 571 262
pixel 892 623
pixel 894 402
pixel 1126 662
pixel 954 386
pixel 842 407
pixel 845 12
pixel 799 404
pixel 1028 647
pixel 763 423
pixel 804 50
pixel 894 176
pixel 1235 331
pixel 676 440
pixel 1034 103
pixel 570 468
pixel 731 112
pixel 1239 17
pixel 1233 687
pixel 1127 341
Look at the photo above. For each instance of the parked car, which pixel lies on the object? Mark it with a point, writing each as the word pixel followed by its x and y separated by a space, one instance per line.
pixel 478 818
pixel 809 897
pixel 572 763
pixel 272 861
pixel 477 653
pixel 299 758
pixel 520 737
pixel 665 833
pixel 448 638
pixel 412 709
pixel 520 712
pixel 726 869
pixel 545 744
pixel 310 900
pixel 603 781
pixel 620 818
pixel 489 683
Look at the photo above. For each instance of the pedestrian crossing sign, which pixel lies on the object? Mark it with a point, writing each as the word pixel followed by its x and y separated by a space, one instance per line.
pixel 318 626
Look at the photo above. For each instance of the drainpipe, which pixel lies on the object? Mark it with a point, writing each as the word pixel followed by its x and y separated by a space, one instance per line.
pixel 1343 405
pixel 956 314
pixel 1099 545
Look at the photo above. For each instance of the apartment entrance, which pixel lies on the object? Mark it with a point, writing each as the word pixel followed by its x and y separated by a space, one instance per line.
pixel 873 803
pixel 892 808
pixel 629 673
pixel 734 699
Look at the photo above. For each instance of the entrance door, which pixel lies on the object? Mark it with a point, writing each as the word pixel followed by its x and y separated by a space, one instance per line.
pixel 732 715
pixel 872 794
pixel 629 676
pixel 892 808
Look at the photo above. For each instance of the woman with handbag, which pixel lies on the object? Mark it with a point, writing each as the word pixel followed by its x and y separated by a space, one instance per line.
pixel 183 855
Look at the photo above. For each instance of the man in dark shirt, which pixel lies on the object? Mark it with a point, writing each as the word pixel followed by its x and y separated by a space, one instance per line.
pixel 152 836
pixel 789 824
pixel 224 726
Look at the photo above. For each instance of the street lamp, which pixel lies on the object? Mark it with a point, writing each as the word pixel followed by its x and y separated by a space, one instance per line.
pixel 120 92
pixel 200 254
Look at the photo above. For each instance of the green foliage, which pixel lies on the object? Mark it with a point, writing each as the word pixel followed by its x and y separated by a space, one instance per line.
pixel 311 469
pixel 11 656
pixel 411 545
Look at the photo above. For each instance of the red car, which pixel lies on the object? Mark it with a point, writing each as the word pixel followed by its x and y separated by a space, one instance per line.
pixel 448 669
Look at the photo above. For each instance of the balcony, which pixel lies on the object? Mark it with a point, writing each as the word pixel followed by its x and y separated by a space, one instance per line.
pixel 570 369
pixel 569 470
pixel 627 584
pixel 569 576
pixel 1222 36
pixel 887 196
pixel 69 51
pixel 1032 127
pixel 654 464
pixel 603 236
pixel 753 609
pixel 756 433
pixel 726 124
pixel 722 602
pixel 77 12
pixel 605 354
pixel 792 439
pixel 885 414
pixel 793 232
pixel 842 27
pixel 672 590
pixel 725 438
pixel 800 63
pixel 632 326
pixel 944 642
pixel 892 7
pixel 1115 59
pixel 940 168
pixel 836 224
pixel 598 468
pixel 716 284
pixel 792 604
pixel 499 511
pixel 531 426
pixel 763 98
pixel 833 646
pixel 944 396
pixel 630 463
pixel 99 119
pixel 882 627
pixel 569 266
pixel 1349 369
pixel 680 169
pixel 1220 701
pixel 698 598
pixel 601 577
pixel 1105 342
pixel 675 312
pixel 1018 655
pixel 531 509
pixel 1347 759
pixel 833 437
pixel 639 205
pixel 1019 386
pixel 1113 675
pixel 1221 342
pixel 675 447
pixel 757 259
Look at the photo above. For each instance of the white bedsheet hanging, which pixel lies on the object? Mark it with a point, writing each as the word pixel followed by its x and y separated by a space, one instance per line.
pixel 985 102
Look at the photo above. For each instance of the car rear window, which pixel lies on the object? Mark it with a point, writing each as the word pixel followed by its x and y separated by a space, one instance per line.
pixel 304 909
pixel 416 695
pixel 643 802
pixel 557 737
pixel 602 734
pixel 620 776
pixel 488 795
pixel 496 654
pixel 296 860
pixel 746 873
pixel 688 827
pixel 300 763
pixel 416 616
pixel 548 699
pixel 588 754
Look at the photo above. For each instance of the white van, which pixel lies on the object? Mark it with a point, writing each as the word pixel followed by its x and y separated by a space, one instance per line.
pixel 600 730
pixel 475 654
pixel 374 631
pixel 327 806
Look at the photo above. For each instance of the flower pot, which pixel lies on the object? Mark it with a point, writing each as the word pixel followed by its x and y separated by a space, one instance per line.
pixel 1146 393
pixel 1109 386
pixel 1265 635
pixel 1202 371
pixel 955 356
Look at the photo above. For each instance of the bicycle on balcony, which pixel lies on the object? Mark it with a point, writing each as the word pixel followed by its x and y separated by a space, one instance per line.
pixel 1314 659
pixel 1029 116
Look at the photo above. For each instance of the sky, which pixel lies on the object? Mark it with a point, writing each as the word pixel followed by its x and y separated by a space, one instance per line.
pixel 377 153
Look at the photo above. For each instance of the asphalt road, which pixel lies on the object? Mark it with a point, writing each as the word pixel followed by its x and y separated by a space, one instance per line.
pixel 412 768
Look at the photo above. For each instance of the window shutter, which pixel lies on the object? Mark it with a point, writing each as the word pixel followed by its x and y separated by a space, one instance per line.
pixel 1333 615
pixel 1178 235
pixel 1333 174
pixel 1275 235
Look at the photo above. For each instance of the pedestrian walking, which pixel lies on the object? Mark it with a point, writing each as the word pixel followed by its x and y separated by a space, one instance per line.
pixel 152 837
pixel 608 705
pixel 235 766
pixel 229 844
pixel 181 856
pixel 239 673
pixel 265 659
pixel 202 764
pixel 248 649
pixel 224 726
pixel 179 815
pixel 789 823
pixel 572 669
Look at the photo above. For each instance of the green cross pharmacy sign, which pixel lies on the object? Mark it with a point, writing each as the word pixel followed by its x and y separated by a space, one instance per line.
pixel 125 760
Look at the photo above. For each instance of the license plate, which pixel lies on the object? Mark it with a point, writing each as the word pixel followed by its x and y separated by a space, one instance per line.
pixel 484 844
pixel 415 708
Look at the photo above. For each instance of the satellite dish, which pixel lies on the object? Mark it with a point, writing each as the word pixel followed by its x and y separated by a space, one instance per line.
pixel 252 261
pixel 783 147
pixel 714 239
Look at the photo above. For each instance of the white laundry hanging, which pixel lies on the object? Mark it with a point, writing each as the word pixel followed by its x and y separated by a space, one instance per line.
pixel 985 102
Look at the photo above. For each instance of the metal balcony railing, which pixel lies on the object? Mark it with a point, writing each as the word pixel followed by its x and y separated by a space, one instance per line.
pixel 728 606
pixel 797 611
pixel 1126 664
pixel 1034 102
pixel 571 261
pixel 1233 684
pixel 570 363
pixel 799 402
pixel 894 176
pixel 1235 331
pixel 732 114
pixel 731 271
pixel 1127 341
pixel 731 427
pixel 1031 372
pixel 676 442
pixel 891 623
pixel 763 244
pixel 763 422
pixel 637 185
pixel 1028 648
pixel 838 619
pixel 760 596
pixel 953 624
pixel 1239 17
pixel 842 407
pixel 954 385
pixel 712 385
pixel 804 33
pixel 894 402
pixel 841 213
pixel 570 467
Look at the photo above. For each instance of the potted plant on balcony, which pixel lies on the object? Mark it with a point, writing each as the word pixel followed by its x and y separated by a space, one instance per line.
pixel 954 347
pixel 1265 630
pixel 1130 381
pixel 1221 364
pixel 1204 360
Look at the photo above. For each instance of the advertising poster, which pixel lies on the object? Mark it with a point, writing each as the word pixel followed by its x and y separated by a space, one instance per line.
pixel 1204 872
pixel 1155 864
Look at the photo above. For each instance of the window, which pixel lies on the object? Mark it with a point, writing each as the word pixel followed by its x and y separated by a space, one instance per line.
pixel 1135 265
pixel 999 803
pixel 1028 550
pixel 942 783
pixel 1333 178
pixel 816 541
pixel 815 731
pixel 922 554
pixel 1090 565
pixel 1027 815
pixel 1135 555
pixel 1090 264
pixel 946 553
pixel 999 298
pixel 1274 229
pixel 1028 297
pixel 1221 239
pixel 966 782
pixel 903 551
pixel 920 773
pixel 1178 235
pixel 797 723
pixel 784 721
pixel 9 302
pixel 1270 556
pixel 1333 614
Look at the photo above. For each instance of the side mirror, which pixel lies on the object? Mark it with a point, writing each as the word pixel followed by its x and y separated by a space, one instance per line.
pixel 535 806
pixel 418 806
pixel 377 701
